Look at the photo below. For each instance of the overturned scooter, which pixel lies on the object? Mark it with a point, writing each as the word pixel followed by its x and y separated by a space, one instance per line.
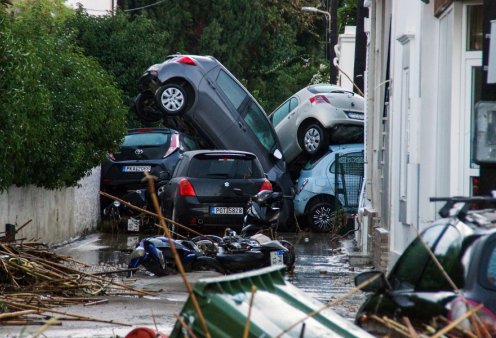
pixel 252 249
pixel 155 255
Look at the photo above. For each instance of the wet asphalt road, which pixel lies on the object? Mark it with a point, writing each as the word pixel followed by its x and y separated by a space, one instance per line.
pixel 322 271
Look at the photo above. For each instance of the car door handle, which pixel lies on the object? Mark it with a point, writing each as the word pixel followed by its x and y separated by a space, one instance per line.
pixel 241 126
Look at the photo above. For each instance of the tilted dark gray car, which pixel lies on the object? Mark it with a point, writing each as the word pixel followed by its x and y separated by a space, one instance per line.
pixel 198 95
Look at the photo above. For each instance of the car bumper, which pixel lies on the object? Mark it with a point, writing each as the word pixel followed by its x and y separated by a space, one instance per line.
pixel 300 202
pixel 191 213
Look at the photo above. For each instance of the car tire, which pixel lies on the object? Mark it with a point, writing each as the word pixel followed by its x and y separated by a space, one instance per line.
pixel 171 99
pixel 314 139
pixel 322 216
pixel 146 109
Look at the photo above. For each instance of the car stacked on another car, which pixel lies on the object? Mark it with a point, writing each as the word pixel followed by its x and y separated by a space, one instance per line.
pixel 316 116
pixel 154 150
pixel 329 184
pixel 199 96
pixel 464 244
pixel 209 189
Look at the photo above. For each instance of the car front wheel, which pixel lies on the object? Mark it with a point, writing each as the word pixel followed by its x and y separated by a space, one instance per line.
pixel 171 99
pixel 322 217
pixel 314 139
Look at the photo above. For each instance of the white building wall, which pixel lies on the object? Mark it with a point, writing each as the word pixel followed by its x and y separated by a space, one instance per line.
pixel 427 136
pixel 346 50
pixel 56 215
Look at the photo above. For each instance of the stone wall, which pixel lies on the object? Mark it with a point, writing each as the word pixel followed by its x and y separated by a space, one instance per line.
pixel 56 215
pixel 380 248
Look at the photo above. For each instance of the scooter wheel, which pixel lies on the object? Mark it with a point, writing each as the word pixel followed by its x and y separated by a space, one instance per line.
pixel 289 257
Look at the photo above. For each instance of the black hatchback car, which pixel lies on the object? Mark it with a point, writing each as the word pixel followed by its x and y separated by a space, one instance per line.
pixel 209 189
pixel 465 245
pixel 155 150
pixel 198 94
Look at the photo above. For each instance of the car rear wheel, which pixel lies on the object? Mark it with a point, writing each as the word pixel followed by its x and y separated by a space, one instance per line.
pixel 145 107
pixel 322 216
pixel 314 139
pixel 171 99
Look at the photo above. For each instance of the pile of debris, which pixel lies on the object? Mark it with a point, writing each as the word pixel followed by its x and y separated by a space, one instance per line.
pixel 34 281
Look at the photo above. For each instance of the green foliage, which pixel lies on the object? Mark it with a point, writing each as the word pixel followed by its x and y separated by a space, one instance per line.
pixel 59 110
pixel 267 45
pixel 125 47
pixel 347 12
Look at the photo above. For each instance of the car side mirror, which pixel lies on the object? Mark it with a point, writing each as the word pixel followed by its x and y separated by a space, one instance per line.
pixel 379 283
pixel 277 154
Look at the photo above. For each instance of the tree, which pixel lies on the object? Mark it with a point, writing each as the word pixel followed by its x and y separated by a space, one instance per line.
pixel 267 45
pixel 60 111
pixel 125 46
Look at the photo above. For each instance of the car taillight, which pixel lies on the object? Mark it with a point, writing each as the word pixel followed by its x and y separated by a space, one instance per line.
pixel 319 99
pixel 174 144
pixel 111 156
pixel 485 317
pixel 185 188
pixel 303 184
pixel 266 185
pixel 186 60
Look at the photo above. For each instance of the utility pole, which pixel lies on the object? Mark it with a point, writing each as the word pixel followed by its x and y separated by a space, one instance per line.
pixel 333 40
pixel 360 45
pixel 487 170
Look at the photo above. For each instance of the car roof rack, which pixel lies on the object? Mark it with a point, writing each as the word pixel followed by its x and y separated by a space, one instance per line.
pixel 467 202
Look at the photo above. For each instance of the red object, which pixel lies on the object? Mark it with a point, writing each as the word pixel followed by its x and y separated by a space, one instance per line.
pixel 185 188
pixel 174 144
pixel 186 60
pixel 144 332
pixel 319 99
pixel 266 185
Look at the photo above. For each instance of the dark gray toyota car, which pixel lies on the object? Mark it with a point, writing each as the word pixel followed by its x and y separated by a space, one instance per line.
pixel 198 95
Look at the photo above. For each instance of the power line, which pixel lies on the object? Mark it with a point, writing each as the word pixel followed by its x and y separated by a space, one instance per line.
pixel 127 10
pixel 138 8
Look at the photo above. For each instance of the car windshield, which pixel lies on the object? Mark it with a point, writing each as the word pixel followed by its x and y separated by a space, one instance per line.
pixel 261 127
pixel 313 162
pixel 416 269
pixel 146 140
pixel 325 89
pixel 223 167
pixel 489 265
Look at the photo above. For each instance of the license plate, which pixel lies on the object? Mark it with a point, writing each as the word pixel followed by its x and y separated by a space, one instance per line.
pixel 276 257
pixel 226 210
pixel 136 168
pixel 132 224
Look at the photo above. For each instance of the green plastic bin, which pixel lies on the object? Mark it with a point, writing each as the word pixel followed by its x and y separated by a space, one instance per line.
pixel 277 305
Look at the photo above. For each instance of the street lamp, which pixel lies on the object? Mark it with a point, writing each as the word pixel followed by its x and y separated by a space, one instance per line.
pixel 328 35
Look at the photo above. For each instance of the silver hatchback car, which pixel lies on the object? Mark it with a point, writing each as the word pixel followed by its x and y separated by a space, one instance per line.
pixel 316 116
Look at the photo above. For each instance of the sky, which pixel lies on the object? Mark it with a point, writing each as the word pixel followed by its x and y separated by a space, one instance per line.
pixel 94 7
